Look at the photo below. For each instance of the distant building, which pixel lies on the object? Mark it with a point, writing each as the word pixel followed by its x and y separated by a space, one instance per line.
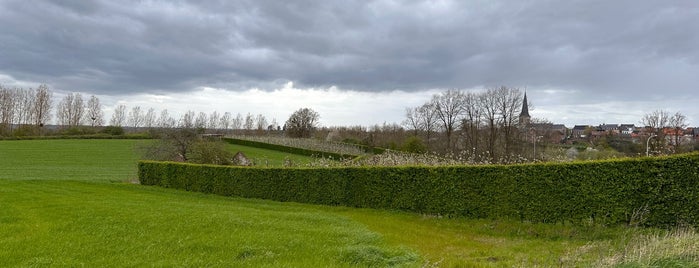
pixel 579 131
pixel 524 117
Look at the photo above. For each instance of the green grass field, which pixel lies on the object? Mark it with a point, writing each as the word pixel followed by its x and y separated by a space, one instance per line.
pixel 264 157
pixel 69 203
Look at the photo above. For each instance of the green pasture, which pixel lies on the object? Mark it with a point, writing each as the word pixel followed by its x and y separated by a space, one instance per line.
pixel 69 203
pixel 265 157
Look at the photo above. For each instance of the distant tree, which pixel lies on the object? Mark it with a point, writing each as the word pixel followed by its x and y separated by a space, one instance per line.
pixel 187 120
pixel 93 114
pixel 449 108
pixel 261 122
pixel 655 122
pixel 42 105
pixel 165 120
pixel 149 118
pixel 70 110
pixel 677 122
pixel 237 122
pixel 135 117
pixel 201 121
pixel 214 121
pixel 225 121
pixel 302 123
pixel 7 104
pixel 249 122
pixel 119 116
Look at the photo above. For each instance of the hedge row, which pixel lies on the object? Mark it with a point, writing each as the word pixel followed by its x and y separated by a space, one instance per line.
pixel 660 192
pixel 288 149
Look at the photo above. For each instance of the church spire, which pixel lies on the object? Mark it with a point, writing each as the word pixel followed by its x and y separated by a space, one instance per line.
pixel 524 115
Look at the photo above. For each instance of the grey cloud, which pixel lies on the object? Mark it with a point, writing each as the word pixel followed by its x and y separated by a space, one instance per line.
pixel 601 47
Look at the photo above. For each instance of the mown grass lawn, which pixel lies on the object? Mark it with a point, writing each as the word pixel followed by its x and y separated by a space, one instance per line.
pixel 69 203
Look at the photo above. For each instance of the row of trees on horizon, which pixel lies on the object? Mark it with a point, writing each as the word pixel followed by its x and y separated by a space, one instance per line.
pixel 25 111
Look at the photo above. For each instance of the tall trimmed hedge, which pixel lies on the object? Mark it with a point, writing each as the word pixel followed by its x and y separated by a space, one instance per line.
pixel 288 149
pixel 658 192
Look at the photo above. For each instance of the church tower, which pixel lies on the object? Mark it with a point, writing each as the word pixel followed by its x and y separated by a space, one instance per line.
pixel 524 117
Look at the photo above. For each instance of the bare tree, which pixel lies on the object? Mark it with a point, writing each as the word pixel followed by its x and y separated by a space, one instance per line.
pixel 214 120
pixel 149 118
pixel 471 122
pixel 94 113
pixel 70 110
pixel 488 101
pixel 677 122
pixel 119 116
pixel 261 122
pixel 237 123
pixel 509 105
pixel 187 120
pixel 165 120
pixel 24 102
pixel 200 121
pixel 412 120
pixel 42 105
pixel 654 123
pixel 7 104
pixel 302 123
pixel 249 122
pixel 225 123
pixel 449 107
pixel 135 117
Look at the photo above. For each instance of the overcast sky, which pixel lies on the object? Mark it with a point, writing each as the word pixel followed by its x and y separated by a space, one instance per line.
pixel 359 62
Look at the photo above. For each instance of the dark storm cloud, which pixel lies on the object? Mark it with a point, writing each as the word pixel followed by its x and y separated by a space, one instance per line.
pixel 120 47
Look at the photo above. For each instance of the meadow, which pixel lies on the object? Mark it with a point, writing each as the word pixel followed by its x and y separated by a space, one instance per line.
pixel 74 203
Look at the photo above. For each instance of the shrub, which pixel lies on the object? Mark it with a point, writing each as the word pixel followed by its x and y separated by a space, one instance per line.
pixel 660 192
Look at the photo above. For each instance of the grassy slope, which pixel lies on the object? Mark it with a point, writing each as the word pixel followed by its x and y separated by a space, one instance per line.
pixel 87 160
pixel 69 223
pixel 81 222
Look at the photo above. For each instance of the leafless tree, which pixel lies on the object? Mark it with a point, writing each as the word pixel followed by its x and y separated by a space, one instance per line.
pixel 677 122
pixel 261 122
pixel 237 122
pixel 412 120
pixel 654 123
pixel 471 122
pixel 165 120
pixel 149 118
pixel 449 108
pixel 42 105
pixel 509 105
pixel 214 120
pixel 302 123
pixel 249 122
pixel 225 123
pixel 94 114
pixel 70 110
pixel 488 101
pixel 119 116
pixel 200 121
pixel 187 120
pixel 7 104
pixel 135 117
pixel 24 102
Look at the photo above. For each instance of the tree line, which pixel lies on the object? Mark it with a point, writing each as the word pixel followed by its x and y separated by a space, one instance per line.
pixel 24 112
pixel 482 124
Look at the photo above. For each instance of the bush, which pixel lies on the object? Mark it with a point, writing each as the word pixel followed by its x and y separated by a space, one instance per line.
pixel 660 192
pixel 113 130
